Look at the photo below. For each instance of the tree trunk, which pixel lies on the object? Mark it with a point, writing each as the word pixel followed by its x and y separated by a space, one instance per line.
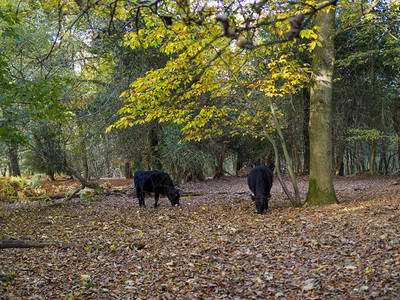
pixel 72 172
pixel 295 160
pixel 127 170
pixel 321 189
pixel 306 135
pixel 14 162
pixel 339 159
pixel 278 169
pixel 373 155
pixel 296 202
pixel 396 125
pixel 107 164
pixel 85 163
pixel 373 111
pixel 50 173
pixel 218 173
pixel 146 160
pixel 154 140
pixel 349 161
pixel 358 157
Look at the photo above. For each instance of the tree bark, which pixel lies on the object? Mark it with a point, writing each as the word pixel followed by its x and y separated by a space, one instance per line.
pixel 358 157
pixel 154 141
pixel 85 163
pixel 339 158
pixel 14 162
pixel 218 173
pixel 373 111
pixel 321 189
pixel 92 185
pixel 296 162
pixel 107 164
pixel 396 125
pixel 306 136
pixel 292 175
pixel 373 155
pixel 127 170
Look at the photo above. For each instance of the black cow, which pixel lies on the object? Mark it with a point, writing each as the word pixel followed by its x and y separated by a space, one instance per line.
pixel 157 182
pixel 260 182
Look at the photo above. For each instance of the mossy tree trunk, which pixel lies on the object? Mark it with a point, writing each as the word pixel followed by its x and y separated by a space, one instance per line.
pixel 321 190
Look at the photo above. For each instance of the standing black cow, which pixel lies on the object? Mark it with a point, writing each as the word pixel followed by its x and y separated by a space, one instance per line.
pixel 260 183
pixel 157 182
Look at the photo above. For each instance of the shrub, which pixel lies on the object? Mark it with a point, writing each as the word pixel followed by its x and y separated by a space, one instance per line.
pixel 17 189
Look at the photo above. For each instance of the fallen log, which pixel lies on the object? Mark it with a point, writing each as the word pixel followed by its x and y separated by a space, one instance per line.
pixel 33 244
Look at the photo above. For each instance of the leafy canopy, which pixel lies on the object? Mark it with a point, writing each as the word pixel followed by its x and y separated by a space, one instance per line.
pixel 28 94
pixel 216 81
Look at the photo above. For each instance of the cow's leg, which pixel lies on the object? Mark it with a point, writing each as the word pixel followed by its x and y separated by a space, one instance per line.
pixel 156 197
pixel 142 201
pixel 140 196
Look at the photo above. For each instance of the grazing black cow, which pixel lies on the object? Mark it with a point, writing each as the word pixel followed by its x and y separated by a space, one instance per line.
pixel 157 182
pixel 260 182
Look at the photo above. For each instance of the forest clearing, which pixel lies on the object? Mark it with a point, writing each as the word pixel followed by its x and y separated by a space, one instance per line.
pixel 168 94
pixel 213 246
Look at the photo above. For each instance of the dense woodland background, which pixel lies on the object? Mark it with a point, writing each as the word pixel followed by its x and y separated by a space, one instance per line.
pixel 64 66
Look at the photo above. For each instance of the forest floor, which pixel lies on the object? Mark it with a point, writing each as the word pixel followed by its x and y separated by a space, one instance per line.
pixel 214 246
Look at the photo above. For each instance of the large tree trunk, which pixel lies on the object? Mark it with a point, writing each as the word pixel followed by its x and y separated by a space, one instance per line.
pixel 320 189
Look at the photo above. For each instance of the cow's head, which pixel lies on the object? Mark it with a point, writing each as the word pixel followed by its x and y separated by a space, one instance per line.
pixel 174 195
pixel 262 203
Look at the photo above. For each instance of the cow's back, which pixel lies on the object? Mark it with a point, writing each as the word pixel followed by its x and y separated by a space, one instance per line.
pixel 260 180
pixel 152 181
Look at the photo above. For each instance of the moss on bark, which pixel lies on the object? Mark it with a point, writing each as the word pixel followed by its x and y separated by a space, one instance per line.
pixel 318 196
